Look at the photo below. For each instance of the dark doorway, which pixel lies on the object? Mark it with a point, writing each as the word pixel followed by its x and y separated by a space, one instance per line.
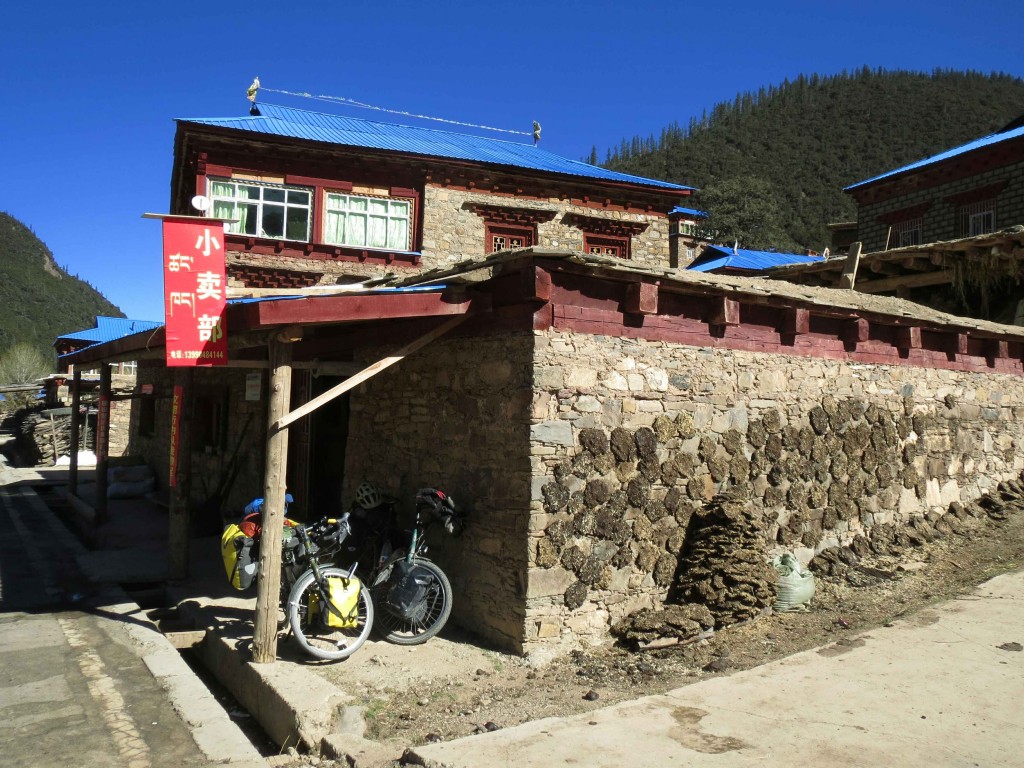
pixel 328 435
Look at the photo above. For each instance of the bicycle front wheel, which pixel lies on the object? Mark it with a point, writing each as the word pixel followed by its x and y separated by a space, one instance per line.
pixel 308 617
pixel 421 621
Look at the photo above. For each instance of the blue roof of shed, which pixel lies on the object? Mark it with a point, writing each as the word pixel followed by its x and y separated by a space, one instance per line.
pixel 690 212
pixel 355 132
pixel 994 138
pixel 111 328
pixel 722 257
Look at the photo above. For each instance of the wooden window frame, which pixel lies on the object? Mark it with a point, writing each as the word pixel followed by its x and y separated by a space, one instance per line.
pixel 600 245
pixel 493 230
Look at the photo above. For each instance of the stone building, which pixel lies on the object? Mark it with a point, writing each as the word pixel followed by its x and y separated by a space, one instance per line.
pixel 970 190
pixel 583 397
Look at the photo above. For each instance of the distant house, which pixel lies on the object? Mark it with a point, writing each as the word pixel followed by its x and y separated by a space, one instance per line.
pixel 721 259
pixel 973 189
pixel 690 243
pixel 107 329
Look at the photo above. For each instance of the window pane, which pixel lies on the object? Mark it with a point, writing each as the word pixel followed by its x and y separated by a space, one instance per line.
pixel 357 203
pixel 336 202
pixel 246 213
pixel 400 209
pixel 378 232
pixel 249 193
pixel 379 207
pixel 225 209
pixel 355 228
pixel 273 221
pixel 334 227
pixel 273 195
pixel 298 197
pixel 398 234
pixel 222 189
pixel 298 224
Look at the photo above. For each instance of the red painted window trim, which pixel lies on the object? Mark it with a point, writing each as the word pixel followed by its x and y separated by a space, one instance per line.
pixel 619 243
pixel 494 229
pixel 904 214
pixel 979 195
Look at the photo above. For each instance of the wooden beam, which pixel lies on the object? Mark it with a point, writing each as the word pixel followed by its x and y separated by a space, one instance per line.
pixel 795 321
pixel 268 590
pixel 849 276
pixel 724 311
pixel 908 337
pixel 907 281
pixel 641 298
pixel 856 331
pixel 334 309
pixel 367 373
pixel 536 284
pixel 997 349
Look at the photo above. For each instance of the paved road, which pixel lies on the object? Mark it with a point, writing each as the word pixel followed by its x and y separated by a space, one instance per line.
pixel 942 689
pixel 85 680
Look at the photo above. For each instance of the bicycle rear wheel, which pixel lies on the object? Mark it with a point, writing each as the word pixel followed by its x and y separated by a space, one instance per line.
pixel 307 617
pixel 426 619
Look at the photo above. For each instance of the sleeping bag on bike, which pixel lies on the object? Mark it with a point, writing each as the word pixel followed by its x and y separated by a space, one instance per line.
pixel 344 595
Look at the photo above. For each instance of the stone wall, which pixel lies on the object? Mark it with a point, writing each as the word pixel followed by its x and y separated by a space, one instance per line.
pixel 631 436
pixel 941 220
pixel 455 416
pixel 453 232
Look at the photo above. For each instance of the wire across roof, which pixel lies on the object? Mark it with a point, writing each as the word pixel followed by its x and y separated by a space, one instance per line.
pixel 355 132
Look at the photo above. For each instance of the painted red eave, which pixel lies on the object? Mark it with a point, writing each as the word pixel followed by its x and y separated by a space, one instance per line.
pixel 348 309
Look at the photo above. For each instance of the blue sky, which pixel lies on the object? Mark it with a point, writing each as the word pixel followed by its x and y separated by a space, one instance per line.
pixel 90 91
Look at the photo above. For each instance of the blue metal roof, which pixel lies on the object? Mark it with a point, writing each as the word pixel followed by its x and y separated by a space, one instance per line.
pixel 722 257
pixel 994 138
pixel 355 132
pixel 689 212
pixel 111 328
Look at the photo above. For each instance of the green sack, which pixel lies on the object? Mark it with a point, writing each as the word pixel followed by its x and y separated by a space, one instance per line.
pixel 795 585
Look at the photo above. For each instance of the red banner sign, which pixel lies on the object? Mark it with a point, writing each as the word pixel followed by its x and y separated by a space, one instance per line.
pixel 195 293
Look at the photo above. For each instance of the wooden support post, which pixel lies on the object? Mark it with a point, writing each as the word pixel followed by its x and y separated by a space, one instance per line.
pixel 180 475
pixel 957 344
pixel 850 267
pixel 102 444
pixel 76 421
pixel 264 638
pixel 997 349
pixel 536 284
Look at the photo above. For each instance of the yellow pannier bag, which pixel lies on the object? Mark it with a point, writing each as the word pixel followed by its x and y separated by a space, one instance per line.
pixel 345 599
pixel 239 554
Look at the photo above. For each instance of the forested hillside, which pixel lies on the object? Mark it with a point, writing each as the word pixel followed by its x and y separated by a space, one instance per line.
pixel 39 301
pixel 789 150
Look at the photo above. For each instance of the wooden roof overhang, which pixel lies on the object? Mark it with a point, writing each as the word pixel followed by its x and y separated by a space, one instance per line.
pixel 257 151
pixel 915 266
pixel 325 328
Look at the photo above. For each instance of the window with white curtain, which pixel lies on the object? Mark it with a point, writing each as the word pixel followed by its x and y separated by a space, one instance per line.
pixel 368 222
pixel 263 210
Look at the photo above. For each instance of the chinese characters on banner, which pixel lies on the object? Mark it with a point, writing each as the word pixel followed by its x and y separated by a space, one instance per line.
pixel 194 292
pixel 172 468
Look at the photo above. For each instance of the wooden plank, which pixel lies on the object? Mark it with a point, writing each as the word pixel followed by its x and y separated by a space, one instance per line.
pixel 849 276
pixel 641 298
pixel 906 281
pixel 536 284
pixel 997 348
pixel 367 373
pixel 102 443
pixel 268 589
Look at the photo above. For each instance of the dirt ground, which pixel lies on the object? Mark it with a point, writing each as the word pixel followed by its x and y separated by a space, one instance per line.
pixel 452 687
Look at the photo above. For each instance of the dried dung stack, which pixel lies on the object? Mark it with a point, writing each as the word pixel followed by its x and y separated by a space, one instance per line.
pixel 665 626
pixel 725 565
